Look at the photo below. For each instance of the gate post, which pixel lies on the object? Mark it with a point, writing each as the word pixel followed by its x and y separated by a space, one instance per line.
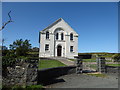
pixel 79 66
pixel 101 64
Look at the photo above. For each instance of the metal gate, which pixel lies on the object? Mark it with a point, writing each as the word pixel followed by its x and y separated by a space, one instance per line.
pixel 89 64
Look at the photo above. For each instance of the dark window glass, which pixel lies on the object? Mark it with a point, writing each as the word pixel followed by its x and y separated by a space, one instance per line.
pixel 62 36
pixel 71 36
pixel 47 35
pixel 46 47
pixel 57 36
pixel 71 48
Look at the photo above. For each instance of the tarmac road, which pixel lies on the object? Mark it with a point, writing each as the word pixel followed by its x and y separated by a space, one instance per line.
pixel 85 81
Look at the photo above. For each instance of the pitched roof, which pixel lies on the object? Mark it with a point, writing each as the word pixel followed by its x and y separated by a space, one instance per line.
pixel 57 21
pixel 53 24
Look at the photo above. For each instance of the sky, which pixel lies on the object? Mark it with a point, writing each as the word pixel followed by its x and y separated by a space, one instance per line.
pixel 95 22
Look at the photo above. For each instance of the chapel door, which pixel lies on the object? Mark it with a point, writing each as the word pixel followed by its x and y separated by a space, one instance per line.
pixel 59 50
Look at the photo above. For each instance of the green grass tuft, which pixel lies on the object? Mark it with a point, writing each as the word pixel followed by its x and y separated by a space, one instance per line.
pixel 34 87
pixel 98 75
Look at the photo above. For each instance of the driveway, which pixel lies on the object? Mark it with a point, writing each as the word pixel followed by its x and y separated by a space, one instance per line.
pixel 85 81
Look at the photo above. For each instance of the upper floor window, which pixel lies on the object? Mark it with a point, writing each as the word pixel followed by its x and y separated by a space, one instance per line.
pixel 47 35
pixel 57 35
pixel 46 47
pixel 71 36
pixel 71 48
pixel 62 36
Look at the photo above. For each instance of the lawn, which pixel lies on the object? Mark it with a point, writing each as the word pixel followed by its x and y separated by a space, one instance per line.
pixel 49 64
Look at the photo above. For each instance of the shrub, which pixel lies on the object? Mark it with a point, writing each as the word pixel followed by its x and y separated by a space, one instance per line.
pixel 20 47
pixel 116 57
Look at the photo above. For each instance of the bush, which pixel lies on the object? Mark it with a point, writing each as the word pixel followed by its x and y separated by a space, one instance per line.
pixel 8 61
pixel 116 57
pixel 20 47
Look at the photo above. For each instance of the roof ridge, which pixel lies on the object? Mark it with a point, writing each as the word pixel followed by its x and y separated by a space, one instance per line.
pixel 52 24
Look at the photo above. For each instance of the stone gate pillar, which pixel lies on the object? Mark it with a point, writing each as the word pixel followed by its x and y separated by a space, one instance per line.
pixel 32 72
pixel 79 66
pixel 101 64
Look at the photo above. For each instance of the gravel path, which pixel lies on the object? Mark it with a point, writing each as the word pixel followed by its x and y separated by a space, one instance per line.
pixel 86 81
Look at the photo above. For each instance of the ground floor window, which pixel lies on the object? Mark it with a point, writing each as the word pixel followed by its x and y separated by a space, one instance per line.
pixel 71 48
pixel 46 47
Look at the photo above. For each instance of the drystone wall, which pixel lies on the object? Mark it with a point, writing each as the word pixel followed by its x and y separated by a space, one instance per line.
pixel 22 74
pixel 112 69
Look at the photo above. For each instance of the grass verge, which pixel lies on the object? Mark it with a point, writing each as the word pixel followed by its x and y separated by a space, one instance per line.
pixel 97 74
pixel 49 64
pixel 31 87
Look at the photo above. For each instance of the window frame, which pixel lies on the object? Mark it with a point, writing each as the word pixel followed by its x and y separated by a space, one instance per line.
pixel 46 47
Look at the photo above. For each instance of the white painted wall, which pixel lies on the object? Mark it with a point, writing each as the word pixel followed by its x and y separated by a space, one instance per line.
pixel 66 43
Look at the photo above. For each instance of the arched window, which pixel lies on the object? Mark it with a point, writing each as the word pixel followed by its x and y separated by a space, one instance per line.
pixel 62 36
pixel 57 36
pixel 47 35
pixel 71 36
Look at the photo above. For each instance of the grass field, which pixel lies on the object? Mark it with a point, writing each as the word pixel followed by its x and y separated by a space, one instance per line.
pixel 49 64
pixel 89 60
pixel 113 64
pixel 93 60
pixel 86 60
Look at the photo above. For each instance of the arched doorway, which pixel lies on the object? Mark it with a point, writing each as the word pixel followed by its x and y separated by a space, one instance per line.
pixel 59 50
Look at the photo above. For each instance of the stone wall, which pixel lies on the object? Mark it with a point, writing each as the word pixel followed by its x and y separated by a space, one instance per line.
pixel 21 74
pixel 112 69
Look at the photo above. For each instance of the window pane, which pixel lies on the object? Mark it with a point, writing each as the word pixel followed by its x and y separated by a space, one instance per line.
pixel 71 36
pixel 62 36
pixel 46 47
pixel 57 36
pixel 47 35
pixel 71 48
